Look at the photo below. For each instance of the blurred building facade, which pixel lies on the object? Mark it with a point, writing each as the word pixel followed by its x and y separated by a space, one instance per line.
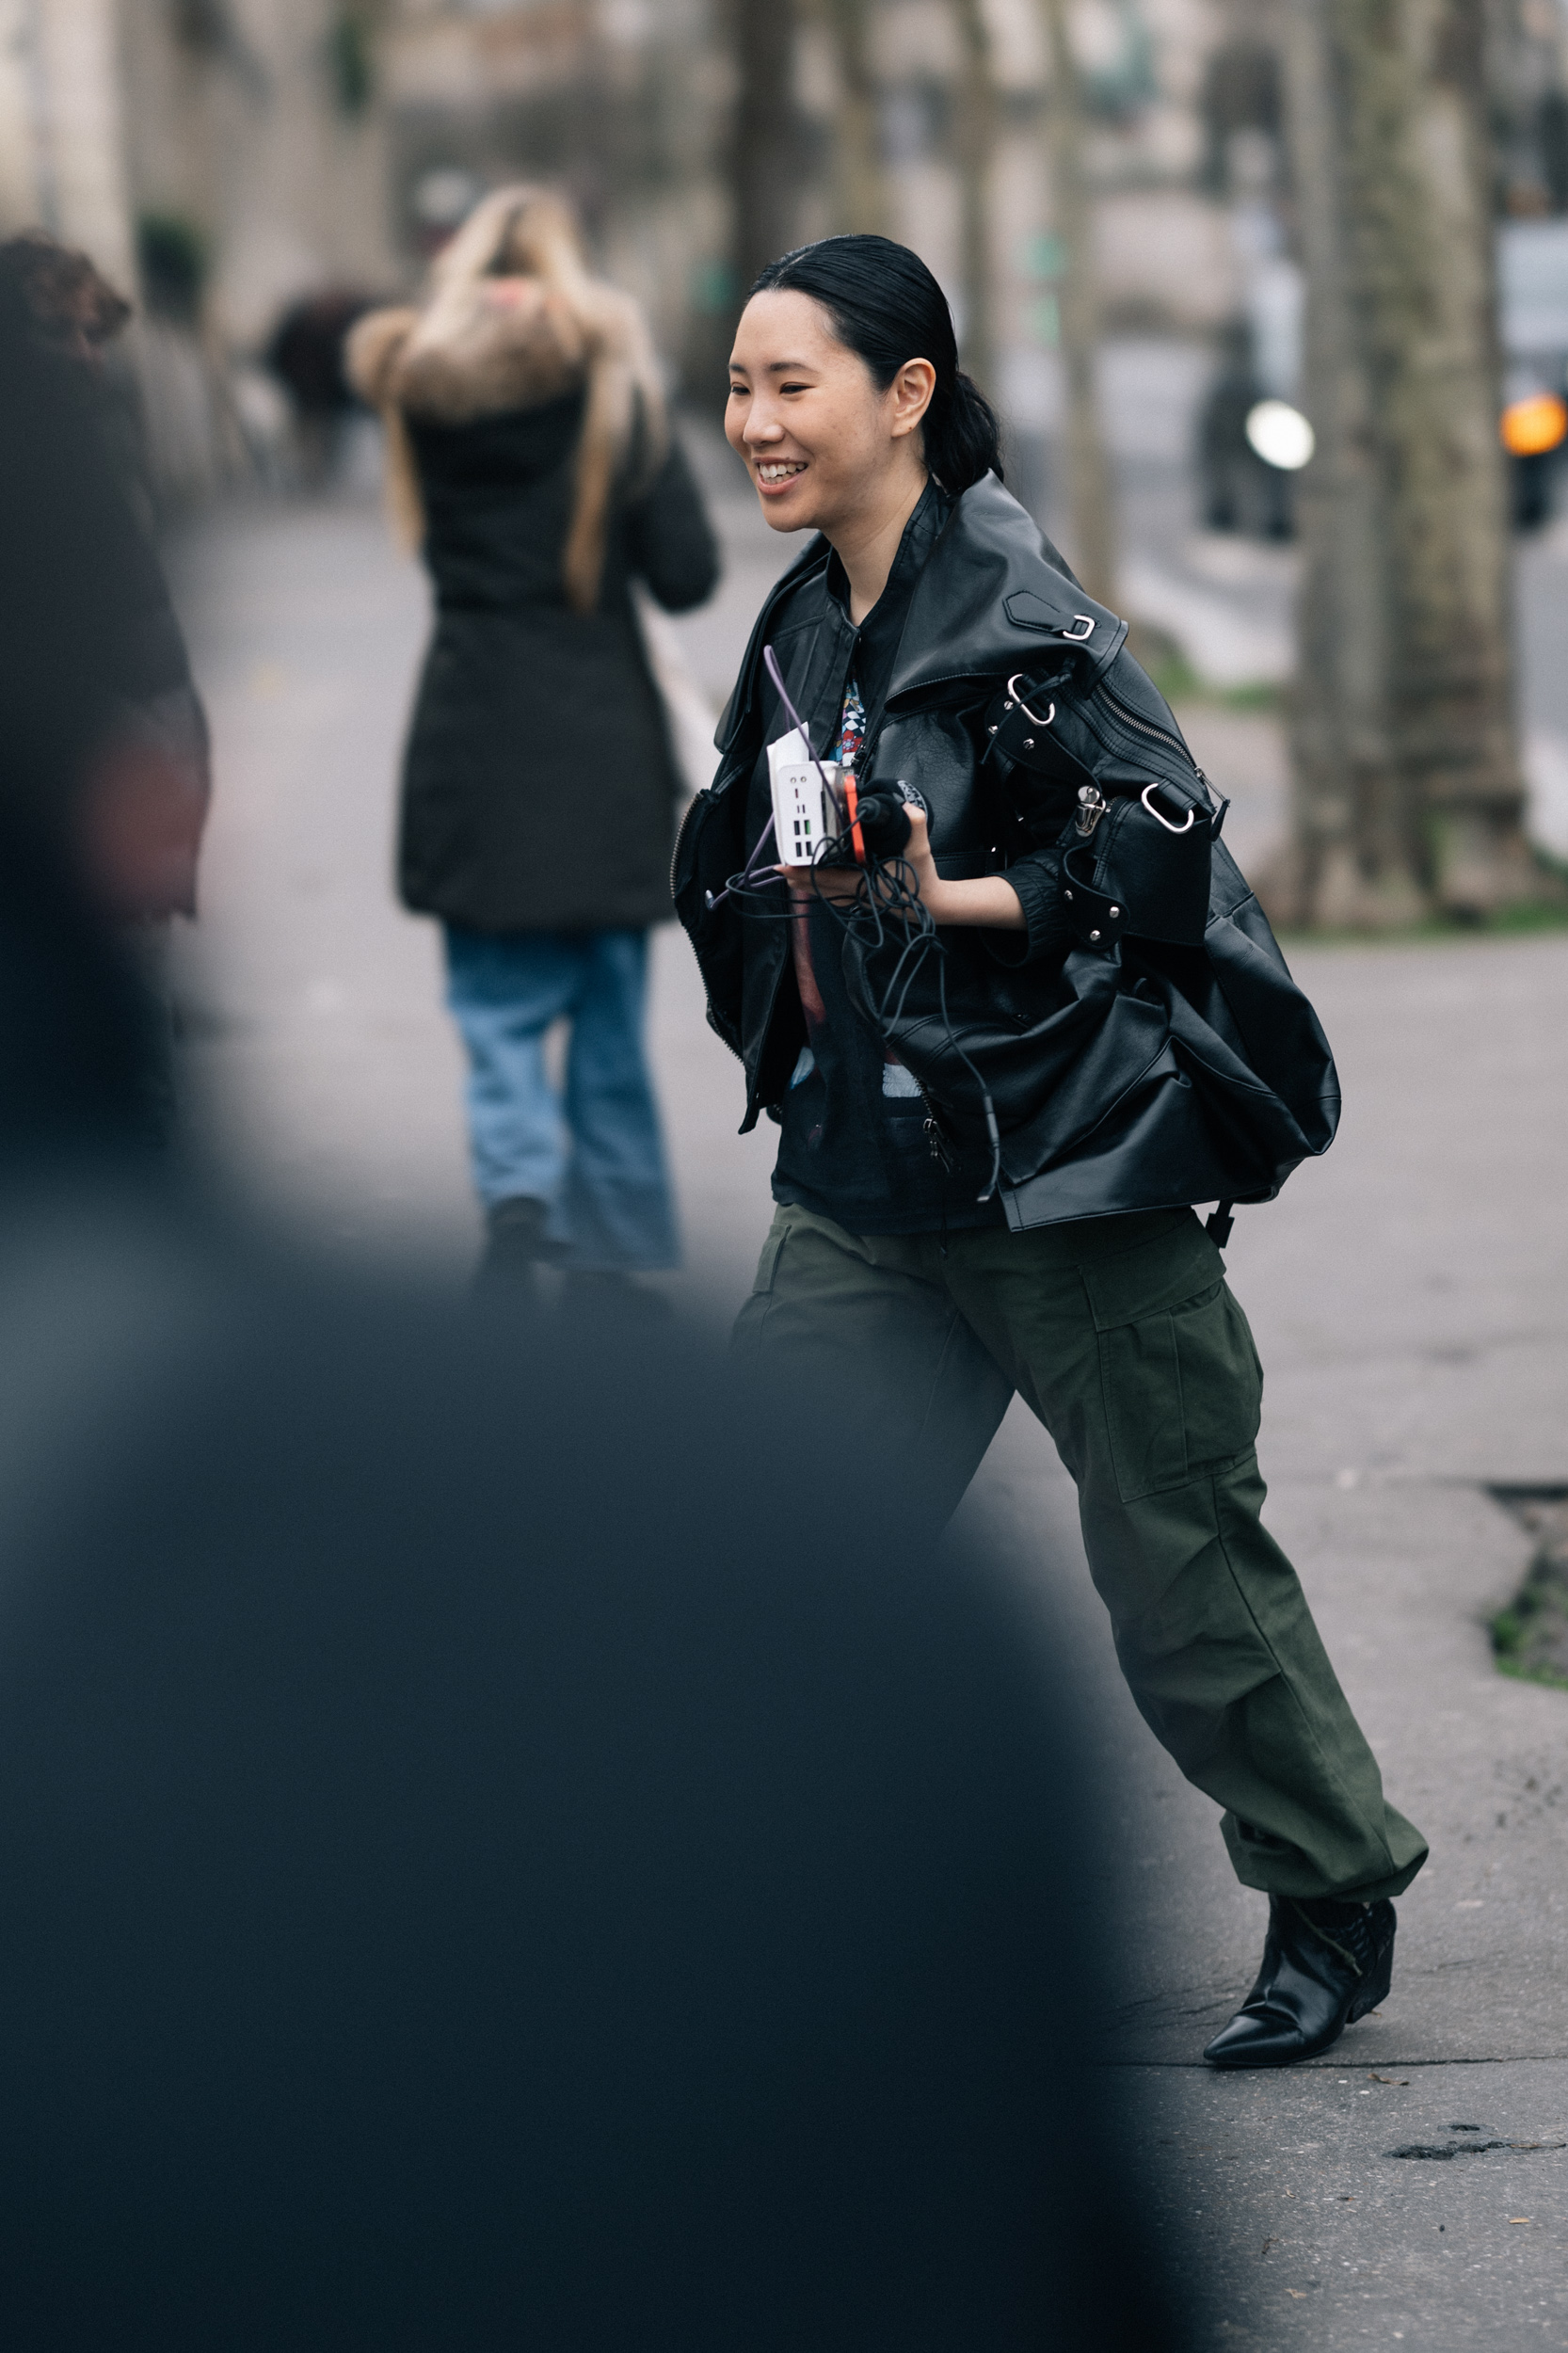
pixel 217 158
pixel 233 155
pixel 632 105
pixel 250 131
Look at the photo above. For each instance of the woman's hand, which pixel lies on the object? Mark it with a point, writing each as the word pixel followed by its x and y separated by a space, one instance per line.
pixel 916 854
pixel 842 883
pixel 989 900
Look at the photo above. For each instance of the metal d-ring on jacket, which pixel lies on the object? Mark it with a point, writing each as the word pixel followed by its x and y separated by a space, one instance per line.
pixel 1163 1056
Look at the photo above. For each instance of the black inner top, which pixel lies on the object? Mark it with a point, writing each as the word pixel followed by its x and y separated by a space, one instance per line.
pixel 854 1144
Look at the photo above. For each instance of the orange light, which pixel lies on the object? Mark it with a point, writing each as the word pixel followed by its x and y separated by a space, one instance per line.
pixel 1529 427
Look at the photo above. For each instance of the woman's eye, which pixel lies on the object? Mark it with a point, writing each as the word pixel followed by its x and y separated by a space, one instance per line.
pixel 794 387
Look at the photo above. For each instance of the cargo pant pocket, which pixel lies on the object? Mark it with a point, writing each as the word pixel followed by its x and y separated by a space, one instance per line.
pixel 1183 1390
pixel 1180 1376
pixel 745 1338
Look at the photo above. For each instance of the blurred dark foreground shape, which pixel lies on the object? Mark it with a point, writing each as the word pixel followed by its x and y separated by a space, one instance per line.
pixel 490 1857
pixel 475 1871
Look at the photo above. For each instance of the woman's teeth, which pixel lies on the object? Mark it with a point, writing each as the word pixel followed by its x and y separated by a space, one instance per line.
pixel 780 472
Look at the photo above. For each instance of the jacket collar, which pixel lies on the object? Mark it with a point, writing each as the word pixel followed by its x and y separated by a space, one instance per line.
pixel 996 597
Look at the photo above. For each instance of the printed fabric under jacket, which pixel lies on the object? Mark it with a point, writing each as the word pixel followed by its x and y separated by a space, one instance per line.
pixel 1163 1056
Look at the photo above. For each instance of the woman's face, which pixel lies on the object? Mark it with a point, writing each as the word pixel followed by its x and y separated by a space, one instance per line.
pixel 826 450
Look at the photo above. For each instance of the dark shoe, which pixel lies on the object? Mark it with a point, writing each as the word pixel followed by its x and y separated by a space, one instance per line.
pixel 514 1243
pixel 1325 1964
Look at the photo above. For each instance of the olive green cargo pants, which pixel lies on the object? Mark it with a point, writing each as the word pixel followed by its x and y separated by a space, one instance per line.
pixel 1120 1333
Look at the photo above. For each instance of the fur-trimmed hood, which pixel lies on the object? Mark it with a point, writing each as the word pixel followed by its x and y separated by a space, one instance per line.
pixel 513 321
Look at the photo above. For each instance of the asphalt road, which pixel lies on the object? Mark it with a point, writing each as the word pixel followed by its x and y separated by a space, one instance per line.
pixel 1410 1299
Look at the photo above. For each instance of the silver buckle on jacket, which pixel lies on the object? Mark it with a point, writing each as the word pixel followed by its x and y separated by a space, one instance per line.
pixel 1074 633
pixel 1143 797
pixel 1092 807
pixel 1014 696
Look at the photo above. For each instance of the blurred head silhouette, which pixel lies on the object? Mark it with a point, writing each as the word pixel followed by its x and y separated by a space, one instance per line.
pixel 79 1046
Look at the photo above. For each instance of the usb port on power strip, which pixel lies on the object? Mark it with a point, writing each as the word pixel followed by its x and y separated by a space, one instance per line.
pixel 805 816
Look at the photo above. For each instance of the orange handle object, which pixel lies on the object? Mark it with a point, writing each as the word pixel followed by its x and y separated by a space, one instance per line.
pixel 851 802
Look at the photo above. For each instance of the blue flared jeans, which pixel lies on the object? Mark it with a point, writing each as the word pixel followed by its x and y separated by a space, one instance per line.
pixel 593 1152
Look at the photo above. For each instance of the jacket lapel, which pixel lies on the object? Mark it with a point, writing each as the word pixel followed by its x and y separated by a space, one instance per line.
pixel 812 558
pixel 996 597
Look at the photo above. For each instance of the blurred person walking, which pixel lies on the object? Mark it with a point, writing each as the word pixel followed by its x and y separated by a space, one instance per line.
pixel 1006 1057
pixel 531 462
pixel 305 352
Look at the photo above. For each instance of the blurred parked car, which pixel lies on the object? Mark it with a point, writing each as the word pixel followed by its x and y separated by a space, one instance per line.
pixel 1532 303
pixel 1253 438
pixel 1242 489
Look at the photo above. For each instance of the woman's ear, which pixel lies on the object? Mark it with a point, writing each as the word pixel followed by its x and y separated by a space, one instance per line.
pixel 909 394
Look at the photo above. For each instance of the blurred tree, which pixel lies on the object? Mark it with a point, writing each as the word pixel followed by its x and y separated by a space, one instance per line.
pixel 1406 778
pixel 976 142
pixel 348 49
pixel 1089 492
pixel 766 157
pixel 860 188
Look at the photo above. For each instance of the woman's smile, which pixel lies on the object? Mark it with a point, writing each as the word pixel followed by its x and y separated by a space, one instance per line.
pixel 775 473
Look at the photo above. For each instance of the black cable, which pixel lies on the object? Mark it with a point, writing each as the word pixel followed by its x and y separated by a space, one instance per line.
pixel 888 893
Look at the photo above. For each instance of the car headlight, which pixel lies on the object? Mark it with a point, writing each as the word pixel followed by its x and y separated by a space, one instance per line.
pixel 1280 435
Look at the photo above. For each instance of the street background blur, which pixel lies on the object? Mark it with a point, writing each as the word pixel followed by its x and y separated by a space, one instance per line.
pixel 1155 219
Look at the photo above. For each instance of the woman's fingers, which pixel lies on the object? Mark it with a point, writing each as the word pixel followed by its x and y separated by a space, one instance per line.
pixel 838 883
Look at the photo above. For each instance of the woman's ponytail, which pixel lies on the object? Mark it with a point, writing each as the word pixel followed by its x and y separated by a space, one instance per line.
pixel 963 439
pixel 885 304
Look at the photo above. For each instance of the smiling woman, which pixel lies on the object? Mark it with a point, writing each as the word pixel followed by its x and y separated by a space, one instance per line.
pixel 840 435
pixel 1065 961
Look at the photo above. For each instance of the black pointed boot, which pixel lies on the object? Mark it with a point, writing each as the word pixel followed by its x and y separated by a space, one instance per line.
pixel 1325 1964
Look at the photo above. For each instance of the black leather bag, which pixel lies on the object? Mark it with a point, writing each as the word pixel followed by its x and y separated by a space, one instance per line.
pixel 1140 872
pixel 1171 1058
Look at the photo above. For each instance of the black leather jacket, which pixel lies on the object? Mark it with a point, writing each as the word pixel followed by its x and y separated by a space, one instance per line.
pixel 1175 1063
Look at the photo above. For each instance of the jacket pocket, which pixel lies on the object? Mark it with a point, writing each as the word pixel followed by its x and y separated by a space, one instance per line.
pixel 1180 1378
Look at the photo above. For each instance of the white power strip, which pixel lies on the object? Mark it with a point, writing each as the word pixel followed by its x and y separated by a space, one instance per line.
pixel 805 816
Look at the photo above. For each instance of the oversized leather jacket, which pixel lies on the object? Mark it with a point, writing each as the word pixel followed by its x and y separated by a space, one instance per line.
pixel 1012 695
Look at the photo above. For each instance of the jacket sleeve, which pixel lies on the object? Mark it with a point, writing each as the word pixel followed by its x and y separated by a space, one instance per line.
pixel 671 542
pixel 1037 880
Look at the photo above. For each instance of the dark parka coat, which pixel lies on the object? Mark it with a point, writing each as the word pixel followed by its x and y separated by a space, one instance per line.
pixel 539 785
pixel 1141 1039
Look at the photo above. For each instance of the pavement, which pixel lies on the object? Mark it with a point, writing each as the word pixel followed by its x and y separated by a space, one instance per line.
pixel 1409 1296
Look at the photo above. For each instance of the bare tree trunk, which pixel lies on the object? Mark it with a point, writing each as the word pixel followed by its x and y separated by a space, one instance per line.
pixel 1343 777
pixel 860 192
pixel 765 154
pixel 1091 503
pixel 1408 789
pixel 976 144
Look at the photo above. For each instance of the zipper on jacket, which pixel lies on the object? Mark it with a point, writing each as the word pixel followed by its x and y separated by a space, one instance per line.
pixel 680 834
pixel 1190 771
pixel 1145 727
pixel 938 1142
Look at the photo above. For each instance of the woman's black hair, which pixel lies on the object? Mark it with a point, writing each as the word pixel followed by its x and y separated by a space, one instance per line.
pixel 885 304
